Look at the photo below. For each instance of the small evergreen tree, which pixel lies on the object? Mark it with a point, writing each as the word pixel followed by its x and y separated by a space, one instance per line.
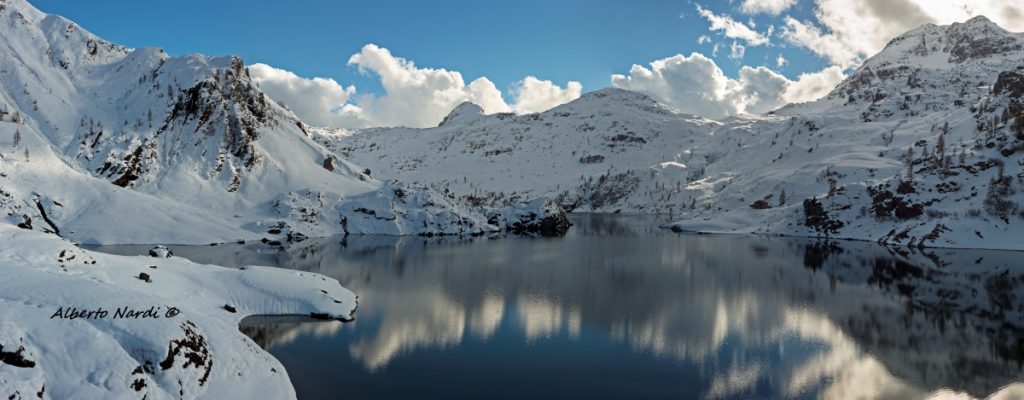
pixel 26 154
pixel 17 138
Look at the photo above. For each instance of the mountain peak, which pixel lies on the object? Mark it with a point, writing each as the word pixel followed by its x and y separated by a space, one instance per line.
pixel 616 93
pixel 462 112
pixel 612 98
pixel 973 39
pixel 979 20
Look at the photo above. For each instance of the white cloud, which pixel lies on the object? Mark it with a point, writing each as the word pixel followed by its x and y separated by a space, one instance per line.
pixel 691 84
pixel 736 51
pixel 759 90
pixel 781 61
pixel 319 101
pixel 696 85
pixel 813 85
pixel 773 7
pixel 731 28
pixel 417 97
pixel 534 95
pixel 847 31
pixel 413 96
pixel 703 39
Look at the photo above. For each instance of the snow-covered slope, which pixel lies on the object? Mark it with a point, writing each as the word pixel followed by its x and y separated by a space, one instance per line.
pixel 950 99
pixel 122 327
pixel 118 145
pixel 561 153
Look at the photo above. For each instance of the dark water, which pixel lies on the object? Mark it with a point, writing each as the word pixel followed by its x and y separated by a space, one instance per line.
pixel 622 309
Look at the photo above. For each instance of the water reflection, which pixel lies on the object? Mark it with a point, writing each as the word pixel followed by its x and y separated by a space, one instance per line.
pixel 621 308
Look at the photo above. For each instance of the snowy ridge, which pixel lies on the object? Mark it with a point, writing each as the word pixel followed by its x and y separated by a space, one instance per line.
pixel 920 146
pixel 187 146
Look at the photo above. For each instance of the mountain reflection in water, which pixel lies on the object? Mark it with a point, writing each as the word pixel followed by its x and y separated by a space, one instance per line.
pixel 620 308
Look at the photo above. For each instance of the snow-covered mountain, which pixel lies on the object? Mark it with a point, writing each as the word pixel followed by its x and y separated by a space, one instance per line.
pixel 105 144
pixel 920 146
pixel 560 153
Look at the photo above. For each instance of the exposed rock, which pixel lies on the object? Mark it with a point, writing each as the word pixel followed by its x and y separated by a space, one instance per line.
pixel 541 217
pixel 16 358
pixel 816 218
pixel 160 251
pixel 193 349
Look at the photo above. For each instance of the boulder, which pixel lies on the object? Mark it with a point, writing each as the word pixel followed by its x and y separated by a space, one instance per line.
pixel 160 251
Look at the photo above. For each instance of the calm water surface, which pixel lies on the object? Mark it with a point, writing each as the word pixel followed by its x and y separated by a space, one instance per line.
pixel 621 309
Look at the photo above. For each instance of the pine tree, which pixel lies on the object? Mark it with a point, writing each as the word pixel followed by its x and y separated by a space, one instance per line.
pixel 782 198
pixel 26 154
pixel 17 138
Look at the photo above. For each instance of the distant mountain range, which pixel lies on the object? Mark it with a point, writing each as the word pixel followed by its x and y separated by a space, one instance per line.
pixel 920 146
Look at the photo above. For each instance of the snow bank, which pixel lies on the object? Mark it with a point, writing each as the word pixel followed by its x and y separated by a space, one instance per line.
pixel 66 328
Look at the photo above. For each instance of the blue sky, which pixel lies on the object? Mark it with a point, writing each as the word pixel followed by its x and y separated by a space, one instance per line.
pixel 581 40
pixel 708 58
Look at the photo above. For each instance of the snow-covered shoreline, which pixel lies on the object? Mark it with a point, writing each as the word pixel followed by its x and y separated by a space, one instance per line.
pixel 192 351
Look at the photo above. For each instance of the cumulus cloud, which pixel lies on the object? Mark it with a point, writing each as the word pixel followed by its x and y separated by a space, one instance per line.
pixel 320 100
pixel 813 85
pixel 534 95
pixel 691 84
pixel 696 85
pixel 773 7
pixel 416 96
pixel 731 28
pixel 413 96
pixel 847 31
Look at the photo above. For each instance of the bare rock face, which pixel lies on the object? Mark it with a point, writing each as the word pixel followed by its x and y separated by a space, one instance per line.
pixel 979 38
pixel 1011 82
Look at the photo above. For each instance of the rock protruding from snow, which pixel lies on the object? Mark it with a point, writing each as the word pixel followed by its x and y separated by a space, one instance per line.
pixel 160 251
pixel 541 217
pixel 462 113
